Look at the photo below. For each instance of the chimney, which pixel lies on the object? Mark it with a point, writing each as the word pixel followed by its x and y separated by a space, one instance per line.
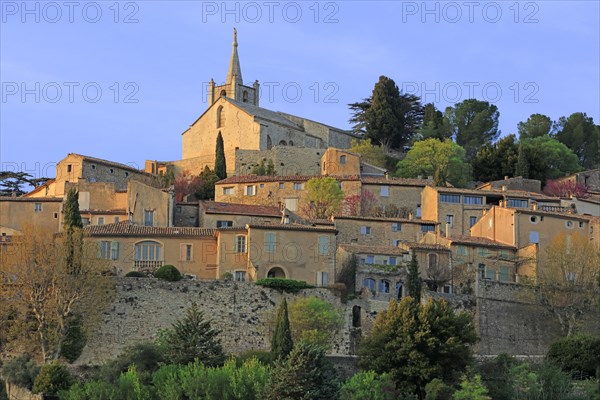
pixel 504 188
pixel 506 177
pixel 387 175
pixel 410 216
pixel 534 205
pixel 447 229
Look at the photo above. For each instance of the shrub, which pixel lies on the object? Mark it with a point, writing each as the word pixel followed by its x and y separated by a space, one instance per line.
pixel 227 276
pixel 52 379
pixel 94 390
pixel 74 341
pixel 264 357
pixel 578 355
pixel 284 285
pixel 146 357
pixel 135 274
pixel 368 385
pixel 314 321
pixel 438 390
pixel 168 273
pixel 21 371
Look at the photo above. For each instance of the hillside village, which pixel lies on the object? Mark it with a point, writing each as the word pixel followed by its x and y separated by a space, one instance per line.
pixel 494 237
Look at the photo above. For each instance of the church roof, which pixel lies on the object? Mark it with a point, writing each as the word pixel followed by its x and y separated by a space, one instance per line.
pixel 235 70
pixel 264 114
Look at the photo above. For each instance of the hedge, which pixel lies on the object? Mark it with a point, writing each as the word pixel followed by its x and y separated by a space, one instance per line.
pixel 284 285
pixel 168 273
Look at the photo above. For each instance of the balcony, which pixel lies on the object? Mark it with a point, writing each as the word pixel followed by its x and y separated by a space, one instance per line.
pixel 147 267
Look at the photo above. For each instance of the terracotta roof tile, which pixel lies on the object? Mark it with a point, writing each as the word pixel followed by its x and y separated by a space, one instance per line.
pixel 375 180
pixel 294 227
pixel 33 199
pixel 279 178
pixel 384 250
pixel 425 246
pixel 125 228
pixel 383 219
pixel 479 241
pixel 211 207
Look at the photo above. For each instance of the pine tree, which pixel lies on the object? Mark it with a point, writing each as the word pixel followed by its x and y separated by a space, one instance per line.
pixel 414 280
pixel 281 344
pixel 522 168
pixel 220 162
pixel 192 337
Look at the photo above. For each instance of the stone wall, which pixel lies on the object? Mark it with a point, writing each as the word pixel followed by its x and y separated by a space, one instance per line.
pixel 242 311
pixel 288 160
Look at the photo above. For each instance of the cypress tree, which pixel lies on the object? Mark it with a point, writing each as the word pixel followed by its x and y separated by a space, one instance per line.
pixel 73 239
pixel 414 280
pixel 220 163
pixel 522 168
pixel 72 217
pixel 281 344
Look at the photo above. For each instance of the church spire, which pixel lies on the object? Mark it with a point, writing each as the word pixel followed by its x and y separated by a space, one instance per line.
pixel 235 71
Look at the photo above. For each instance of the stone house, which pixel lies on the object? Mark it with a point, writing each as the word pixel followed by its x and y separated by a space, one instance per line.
pixel 403 193
pixel 42 212
pixel 590 179
pixel 458 210
pixel 379 231
pixel 130 247
pixel 516 183
pixel 214 214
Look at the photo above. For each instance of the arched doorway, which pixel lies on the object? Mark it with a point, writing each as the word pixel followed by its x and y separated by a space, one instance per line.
pixel 276 272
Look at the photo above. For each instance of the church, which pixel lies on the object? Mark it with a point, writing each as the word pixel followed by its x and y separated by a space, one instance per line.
pixel 234 111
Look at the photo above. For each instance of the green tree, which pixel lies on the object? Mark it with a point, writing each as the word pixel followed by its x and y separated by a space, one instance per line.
pixel 442 160
pixel 547 158
pixel 282 344
pixel 474 123
pixel 73 235
pixel 220 162
pixel 435 124
pixel 11 183
pixel 52 379
pixel 305 374
pixel 145 356
pixel 579 133
pixel 323 198
pixel 577 354
pixel 536 125
pixel 522 166
pixel 438 390
pixel 192 337
pixel 388 117
pixel 415 283
pixel 495 161
pixel 315 321
pixel 368 152
pixel 368 385
pixel 205 188
pixel 20 371
pixel 416 343
pixel 471 389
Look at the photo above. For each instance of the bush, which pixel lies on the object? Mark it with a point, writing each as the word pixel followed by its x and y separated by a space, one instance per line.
pixel 52 379
pixel 93 390
pixel 146 357
pixel 168 273
pixel 578 355
pixel 227 276
pixel 264 357
pixel 314 321
pixel 438 390
pixel 74 341
pixel 21 371
pixel 284 285
pixel 368 385
pixel 135 274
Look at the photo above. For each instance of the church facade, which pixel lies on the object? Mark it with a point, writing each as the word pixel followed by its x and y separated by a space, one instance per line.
pixel 234 112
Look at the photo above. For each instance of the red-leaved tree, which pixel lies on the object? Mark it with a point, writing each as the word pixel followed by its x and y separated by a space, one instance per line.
pixel 356 205
pixel 565 189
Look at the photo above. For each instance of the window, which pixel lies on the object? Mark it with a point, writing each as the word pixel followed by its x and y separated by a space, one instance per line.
pixel 533 219
pixel 224 224
pixel 149 217
pixel 365 230
pixel 473 200
pixel 504 254
pixel 228 190
pixel 472 221
pixel 148 255
pixel 427 228
pixel 37 207
pixel 85 221
pixel 270 242
pixel 449 198
pixel 481 271
pixel 55 215
pixel 69 168
pixel 240 276
pixel 100 220
pixel 569 224
pixel 384 191
pixel 220 117
pixel 433 261
pixel 291 204
pixel 570 276
pixel 504 275
pixel 281 185
pixel 116 220
pixel 370 260
pixel 185 252
pixel 323 245
pixel 369 284
pixel 112 171
pixel 239 245
pixel 450 219
pixel 126 173
pixel 105 250
pixel 322 278
pixel 384 286
pixel 461 251
pixel 396 227
pixel 490 274
pixel 250 190
pixel 396 242
pixel 297 186
pixel 392 260
pixel 342 159
pixel 482 251
pixel 262 185
pixel 580 224
pixel 93 166
pixel 245 96
pixel 517 203
pixel 418 214
pixel 534 237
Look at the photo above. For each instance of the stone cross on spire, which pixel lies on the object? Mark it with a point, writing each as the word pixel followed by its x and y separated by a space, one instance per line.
pixel 235 71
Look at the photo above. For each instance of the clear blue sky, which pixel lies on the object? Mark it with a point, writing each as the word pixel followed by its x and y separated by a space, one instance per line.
pixel 153 62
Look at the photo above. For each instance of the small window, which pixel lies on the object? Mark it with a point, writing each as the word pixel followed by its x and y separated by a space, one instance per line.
pixel 369 284
pixel 490 274
pixel 55 215
pixel 580 224
pixel 37 207
pixel 450 219
pixel 396 242
pixel 482 251
pixel 370 260
pixel 270 242
pixel 240 276
pixel 533 219
pixel 245 96
pixel 473 200
pixel 461 250
pixel 149 217
pixel 281 185
pixel 93 166
pixel 396 227
pixel 250 190
pixel 427 228
pixel 322 279
pixel 228 190
pixel 418 213
pixel 481 271
pixel 224 224
pixel 534 237
pixel 472 221
pixel 185 252
pixel 69 168
pixel 262 185
pixel 449 198
pixel 85 221
pixel 365 230
pixel 504 276
pixel 384 286
pixel 100 220
pixel 569 224
pixel 323 245
pixel 384 191
pixel 239 244
pixel 342 159
pixel 112 171
pixel 393 261
pixel 105 250
pixel 297 185
pixel 115 250
pixel 126 173
pixel 517 203
pixel 116 220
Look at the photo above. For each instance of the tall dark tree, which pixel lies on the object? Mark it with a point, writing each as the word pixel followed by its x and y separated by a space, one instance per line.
pixel 220 162
pixel 536 125
pixel 282 344
pixel 579 134
pixel 435 124
pixel 71 214
pixel 205 185
pixel 388 118
pixel 72 224
pixel 522 166
pixel 495 161
pixel 475 123
pixel 415 284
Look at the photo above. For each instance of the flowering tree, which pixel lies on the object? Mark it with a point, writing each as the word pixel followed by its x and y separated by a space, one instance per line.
pixel 362 204
pixel 565 189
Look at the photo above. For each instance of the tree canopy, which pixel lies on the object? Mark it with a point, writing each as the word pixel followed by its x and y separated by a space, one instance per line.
pixel 323 198
pixel 546 158
pixel 497 160
pixel 536 125
pixel 579 134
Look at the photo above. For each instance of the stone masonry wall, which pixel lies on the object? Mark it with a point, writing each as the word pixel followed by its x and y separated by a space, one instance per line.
pixel 288 160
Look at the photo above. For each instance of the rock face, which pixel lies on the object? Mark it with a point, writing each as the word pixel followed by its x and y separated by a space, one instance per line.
pixel 506 316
